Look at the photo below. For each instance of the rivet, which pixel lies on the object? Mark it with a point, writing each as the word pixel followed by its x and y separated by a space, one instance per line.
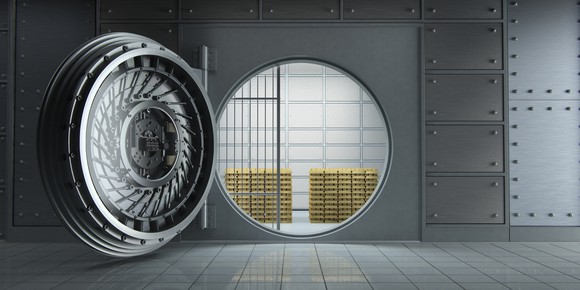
pixel 435 215
pixel 516 161
pixel 492 10
pixel 143 45
pixel 514 108
pixel 493 30
pixel 251 10
pixel 496 183
pixel 514 3
pixel 434 163
pixel 515 73
pixel 532 214
pixel 434 112
pixel 514 56
pixel 434 132
pixel 515 143
pixel 433 61
pixel 516 196
pixel 568 108
pixel 551 214
pixel 530 108
pixel 161 240
pixel 516 214
pixel 570 214
pixel 411 10
pixel 36 214
pixel 494 81
pixel 549 108
pixel 433 81
pixel 105 227
pixel 514 21
pixel 190 10
pixel 143 242
pixel 331 11
pixel 493 60
pixel 549 91
pixel 106 58
pixel 531 91
pixel 109 11
pixel 433 10
pixel 494 112
pixel 568 91
pixel 272 11
pixel 495 132
pixel 495 163
pixel 514 38
pixel 434 184
pixel 124 237
pixel 125 48
pixel 170 11
pixel 78 183
pixel 495 215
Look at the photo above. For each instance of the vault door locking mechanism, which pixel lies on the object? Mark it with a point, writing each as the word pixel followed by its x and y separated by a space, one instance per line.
pixel 126 144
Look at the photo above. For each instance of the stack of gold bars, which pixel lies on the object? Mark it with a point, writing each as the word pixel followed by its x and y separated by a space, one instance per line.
pixel 337 193
pixel 255 191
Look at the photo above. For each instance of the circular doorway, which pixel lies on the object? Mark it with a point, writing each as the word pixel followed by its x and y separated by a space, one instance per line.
pixel 303 147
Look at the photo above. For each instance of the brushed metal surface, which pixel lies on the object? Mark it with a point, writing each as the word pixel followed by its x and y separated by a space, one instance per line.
pixel 546 177
pixel 543 49
pixel 465 200
pixel 464 97
pixel 4 55
pixel 220 9
pixel 380 9
pixel 300 9
pixel 3 109
pixel 75 24
pixel 464 149
pixel 139 9
pixel 463 46
pixel 165 33
pixel 461 9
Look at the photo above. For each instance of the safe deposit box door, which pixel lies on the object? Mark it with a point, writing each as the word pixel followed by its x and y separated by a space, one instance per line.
pixel 126 144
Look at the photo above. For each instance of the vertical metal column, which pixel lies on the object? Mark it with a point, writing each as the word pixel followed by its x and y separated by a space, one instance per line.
pixel 204 68
pixel 278 143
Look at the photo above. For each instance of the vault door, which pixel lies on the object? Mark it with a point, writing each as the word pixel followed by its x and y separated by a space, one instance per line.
pixel 126 144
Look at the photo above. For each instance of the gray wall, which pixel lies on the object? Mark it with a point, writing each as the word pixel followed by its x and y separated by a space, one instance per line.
pixel 465 67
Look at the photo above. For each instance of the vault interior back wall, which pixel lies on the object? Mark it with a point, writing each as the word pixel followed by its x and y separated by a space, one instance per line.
pixel 491 128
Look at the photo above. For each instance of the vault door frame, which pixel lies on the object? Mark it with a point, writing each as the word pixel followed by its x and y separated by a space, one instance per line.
pixel 390 67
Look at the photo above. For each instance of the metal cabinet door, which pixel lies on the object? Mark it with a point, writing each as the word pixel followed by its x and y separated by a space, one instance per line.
pixel 220 9
pixel 465 200
pixel 3 161
pixel 380 9
pixel 3 108
pixel 165 34
pixel 463 46
pixel 4 13
pixel 138 9
pixel 463 9
pixel 4 55
pixel 300 9
pixel 464 149
pixel 464 98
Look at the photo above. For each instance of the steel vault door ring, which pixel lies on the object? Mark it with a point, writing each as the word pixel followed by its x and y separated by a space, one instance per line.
pixel 126 144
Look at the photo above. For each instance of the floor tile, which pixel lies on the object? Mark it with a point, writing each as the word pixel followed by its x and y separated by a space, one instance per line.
pixel 214 286
pixel 345 278
pixel 428 279
pixel 303 286
pixel 438 286
pixel 302 279
pixel 459 271
pixel 528 286
pixel 176 279
pixel 35 286
pixel 565 286
pixel 258 286
pixel 348 286
pixel 471 278
pixel 218 278
pixel 483 286
pixel 387 278
pixel 183 271
pixel 555 278
pixel 419 271
pixel 168 286
pixel 381 271
pixel 513 278
pixel 393 286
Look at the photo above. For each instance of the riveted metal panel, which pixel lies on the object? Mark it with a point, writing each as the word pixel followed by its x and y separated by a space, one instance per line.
pixel 545 163
pixel 3 213
pixel 34 68
pixel 165 34
pixel 464 148
pixel 463 46
pixel 3 163
pixel 138 9
pixel 464 98
pixel 220 9
pixel 4 13
pixel 465 200
pixel 300 9
pixel 380 9
pixel 463 9
pixel 3 109
pixel 544 49
pixel 4 55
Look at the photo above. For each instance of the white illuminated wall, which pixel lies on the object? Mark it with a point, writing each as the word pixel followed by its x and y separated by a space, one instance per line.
pixel 326 120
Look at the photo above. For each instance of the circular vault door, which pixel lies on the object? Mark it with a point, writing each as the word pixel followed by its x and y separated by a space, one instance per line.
pixel 126 144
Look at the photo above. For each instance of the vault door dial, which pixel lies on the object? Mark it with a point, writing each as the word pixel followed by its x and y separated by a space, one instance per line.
pixel 126 144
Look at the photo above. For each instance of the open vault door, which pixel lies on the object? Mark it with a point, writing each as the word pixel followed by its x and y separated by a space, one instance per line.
pixel 126 144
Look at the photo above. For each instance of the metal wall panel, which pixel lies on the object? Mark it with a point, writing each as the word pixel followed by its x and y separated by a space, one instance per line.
pixel 464 97
pixel 165 34
pixel 380 9
pixel 3 108
pixel 543 49
pixel 3 161
pixel 4 13
pixel 220 9
pixel 545 163
pixel 138 9
pixel 300 9
pixel 465 200
pixel 464 148
pixel 4 55
pixel 463 46
pixel 75 23
pixel 463 9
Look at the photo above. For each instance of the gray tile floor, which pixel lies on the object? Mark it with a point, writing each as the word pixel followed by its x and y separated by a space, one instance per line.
pixel 296 266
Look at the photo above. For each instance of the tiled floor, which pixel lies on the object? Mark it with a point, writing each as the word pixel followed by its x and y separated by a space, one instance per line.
pixel 296 266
